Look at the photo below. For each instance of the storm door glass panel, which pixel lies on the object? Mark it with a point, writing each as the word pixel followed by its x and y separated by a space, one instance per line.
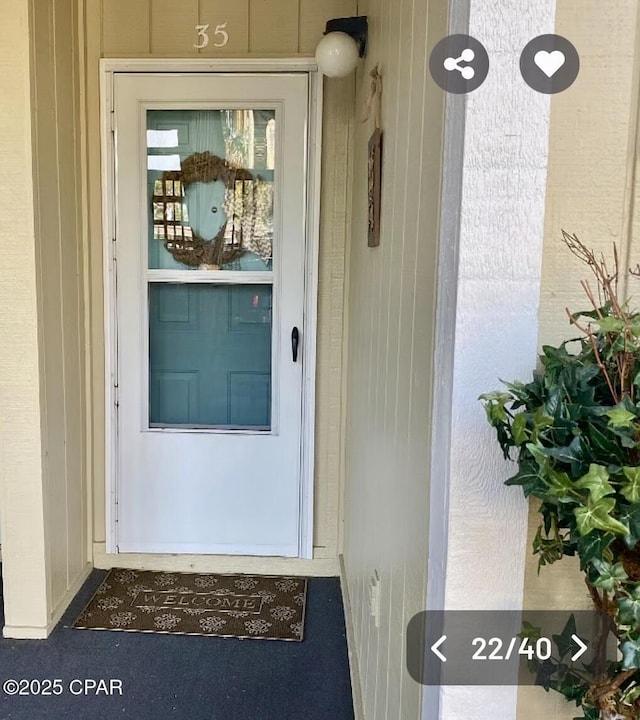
pixel 210 187
pixel 210 356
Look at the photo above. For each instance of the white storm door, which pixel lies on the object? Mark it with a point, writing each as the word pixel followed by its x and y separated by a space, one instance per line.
pixel 210 175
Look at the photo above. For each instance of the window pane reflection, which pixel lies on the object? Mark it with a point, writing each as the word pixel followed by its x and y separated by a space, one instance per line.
pixel 210 180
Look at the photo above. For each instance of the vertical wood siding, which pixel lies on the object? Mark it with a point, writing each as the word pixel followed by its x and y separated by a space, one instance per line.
pixel 391 327
pixel 21 501
pixel 58 200
pixel 165 28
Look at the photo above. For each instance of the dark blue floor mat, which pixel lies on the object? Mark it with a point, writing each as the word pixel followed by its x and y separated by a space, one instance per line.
pixel 166 677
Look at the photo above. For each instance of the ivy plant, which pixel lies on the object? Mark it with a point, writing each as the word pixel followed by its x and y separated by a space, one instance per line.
pixel 574 432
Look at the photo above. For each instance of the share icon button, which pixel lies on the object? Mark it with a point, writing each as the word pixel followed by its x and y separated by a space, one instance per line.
pixel 459 64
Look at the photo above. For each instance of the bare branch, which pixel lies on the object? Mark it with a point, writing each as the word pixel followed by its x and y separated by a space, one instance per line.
pixel 587 289
pixel 594 344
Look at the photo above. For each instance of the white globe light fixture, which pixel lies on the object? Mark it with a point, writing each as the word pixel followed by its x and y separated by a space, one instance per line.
pixel 343 44
pixel 337 55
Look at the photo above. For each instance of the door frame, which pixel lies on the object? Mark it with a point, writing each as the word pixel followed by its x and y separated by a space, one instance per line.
pixel 108 69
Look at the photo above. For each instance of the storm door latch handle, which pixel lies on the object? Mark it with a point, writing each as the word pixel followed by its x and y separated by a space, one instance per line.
pixel 295 341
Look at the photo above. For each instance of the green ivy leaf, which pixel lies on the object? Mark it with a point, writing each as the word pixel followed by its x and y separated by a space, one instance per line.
pixel 627 437
pixel 572 686
pixel 555 357
pixel 629 609
pixel 596 481
pixel 631 489
pixel 541 421
pixel 630 654
pixel 563 642
pixel 586 372
pixel 561 487
pixel 529 631
pixel 619 417
pixel 592 546
pixel 545 672
pixel 619 344
pixel 519 429
pixel 593 314
pixel 494 404
pixel 536 450
pixel 528 477
pixel 608 575
pixel 610 324
pixel 597 516
pixel 630 515
pixel 603 443
pixel 571 453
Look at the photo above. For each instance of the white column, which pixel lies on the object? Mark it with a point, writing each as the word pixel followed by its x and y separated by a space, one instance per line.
pixel 494 201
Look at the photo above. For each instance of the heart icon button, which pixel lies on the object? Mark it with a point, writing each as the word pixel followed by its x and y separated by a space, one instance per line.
pixel 549 62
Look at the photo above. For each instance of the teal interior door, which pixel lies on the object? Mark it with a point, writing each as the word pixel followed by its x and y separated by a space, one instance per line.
pixel 210 355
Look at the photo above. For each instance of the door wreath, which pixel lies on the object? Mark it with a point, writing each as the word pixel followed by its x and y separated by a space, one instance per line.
pixel 184 244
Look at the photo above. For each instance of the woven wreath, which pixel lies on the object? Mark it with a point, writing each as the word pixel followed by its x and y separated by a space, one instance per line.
pixel 184 244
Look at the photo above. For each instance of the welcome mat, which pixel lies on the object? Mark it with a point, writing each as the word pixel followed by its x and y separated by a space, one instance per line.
pixel 243 606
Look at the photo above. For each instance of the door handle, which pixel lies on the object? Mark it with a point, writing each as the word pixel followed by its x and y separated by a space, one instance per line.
pixel 295 341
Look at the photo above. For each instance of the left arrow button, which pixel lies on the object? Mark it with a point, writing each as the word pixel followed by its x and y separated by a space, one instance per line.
pixel 436 651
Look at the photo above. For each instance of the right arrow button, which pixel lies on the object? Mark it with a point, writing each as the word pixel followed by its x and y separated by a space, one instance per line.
pixel 582 648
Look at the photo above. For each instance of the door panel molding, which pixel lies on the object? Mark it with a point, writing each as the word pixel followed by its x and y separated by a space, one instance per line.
pixel 108 70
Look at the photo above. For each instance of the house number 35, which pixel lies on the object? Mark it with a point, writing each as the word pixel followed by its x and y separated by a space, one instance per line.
pixel 203 36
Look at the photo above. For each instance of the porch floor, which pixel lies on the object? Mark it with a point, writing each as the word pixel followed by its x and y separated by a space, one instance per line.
pixel 172 676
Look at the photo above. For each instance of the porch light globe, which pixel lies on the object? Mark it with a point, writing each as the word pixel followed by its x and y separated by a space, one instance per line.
pixel 337 55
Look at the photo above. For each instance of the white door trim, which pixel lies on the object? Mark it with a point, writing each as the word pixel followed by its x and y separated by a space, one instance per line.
pixel 108 68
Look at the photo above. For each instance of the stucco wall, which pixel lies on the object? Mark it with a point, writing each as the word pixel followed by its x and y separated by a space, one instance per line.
pixel 143 28
pixel 390 358
pixel 591 184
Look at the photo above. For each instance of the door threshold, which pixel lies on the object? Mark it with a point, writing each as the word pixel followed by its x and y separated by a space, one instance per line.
pixel 317 567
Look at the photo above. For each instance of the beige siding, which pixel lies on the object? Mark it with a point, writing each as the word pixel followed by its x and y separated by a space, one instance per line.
pixel 592 145
pixel 313 18
pixel 255 28
pixel 42 433
pixel 593 138
pixel 235 17
pixel 21 501
pixel 273 26
pixel 172 25
pixel 59 238
pixel 338 139
pixel 163 28
pixel 126 26
pixel 391 326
